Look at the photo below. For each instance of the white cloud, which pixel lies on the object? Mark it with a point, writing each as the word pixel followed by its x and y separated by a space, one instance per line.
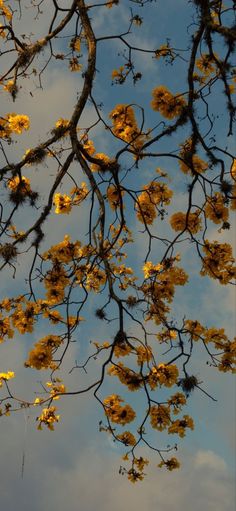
pixel 209 460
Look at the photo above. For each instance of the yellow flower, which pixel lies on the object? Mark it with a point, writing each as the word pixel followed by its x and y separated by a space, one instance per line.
pixel 170 464
pixel 181 221
pixel 206 64
pixel 179 426
pixel 218 262
pixel 166 103
pixel 215 208
pixel 7 376
pixel 18 123
pixel 127 438
pixel 5 11
pixel 75 65
pixel 48 417
pixel 151 270
pixel 75 44
pixel 10 86
pixel 63 203
pixel 159 417
pixel 17 184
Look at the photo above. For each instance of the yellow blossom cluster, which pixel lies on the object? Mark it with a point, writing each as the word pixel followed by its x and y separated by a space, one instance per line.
pixel 48 417
pixel 122 349
pixel 114 196
pixel 195 329
pixel 6 376
pixel 162 290
pixel 206 64
pixel 125 126
pixel 160 417
pixel 24 318
pixel 218 262
pixel 127 376
pixel 119 75
pixel 91 276
pixel 176 402
pixel 10 86
pixel 5 328
pixel 62 125
pixel 179 426
pixel 191 163
pixel 75 65
pixel 56 387
pixel 151 270
pixel 75 44
pixel 64 252
pixel 41 356
pixel 215 208
pixel 144 354
pixel 13 123
pixel 79 193
pixel 169 105
pixel 127 438
pixel 146 205
pixel 164 51
pixel 228 359
pixel 116 412
pixel 19 185
pixel 125 275
pixel 182 221
pixel 166 335
pixel 163 374
pixel 170 464
pixel 55 282
pixel 63 203
pixel 5 11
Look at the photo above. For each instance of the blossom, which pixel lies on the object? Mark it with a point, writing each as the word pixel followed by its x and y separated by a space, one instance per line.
pixel 179 426
pixel 127 438
pixel 215 208
pixel 6 376
pixel 159 417
pixel 19 185
pixel 166 103
pixel 75 65
pixel 63 203
pixel 218 262
pixel 206 64
pixel 181 221
pixel 170 464
pixel 48 417
pixel 18 123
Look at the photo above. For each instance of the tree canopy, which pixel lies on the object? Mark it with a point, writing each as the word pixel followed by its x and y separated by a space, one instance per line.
pixel 115 215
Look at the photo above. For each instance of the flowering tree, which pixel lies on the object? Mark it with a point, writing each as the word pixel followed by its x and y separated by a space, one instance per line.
pixel 129 234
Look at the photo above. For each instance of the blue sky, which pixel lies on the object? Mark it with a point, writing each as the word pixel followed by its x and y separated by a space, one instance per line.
pixel 76 466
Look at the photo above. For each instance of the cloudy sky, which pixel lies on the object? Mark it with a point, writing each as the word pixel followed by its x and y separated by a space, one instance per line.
pixel 76 467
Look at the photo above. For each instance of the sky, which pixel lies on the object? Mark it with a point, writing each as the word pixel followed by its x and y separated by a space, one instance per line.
pixel 76 466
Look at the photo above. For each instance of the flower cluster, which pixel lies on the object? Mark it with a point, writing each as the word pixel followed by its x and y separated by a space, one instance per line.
pixel 48 417
pixel 125 126
pixel 218 262
pixel 163 374
pixel 154 194
pixel 181 221
pixel 215 208
pixel 116 412
pixel 41 356
pixel 169 105
pixel 13 124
